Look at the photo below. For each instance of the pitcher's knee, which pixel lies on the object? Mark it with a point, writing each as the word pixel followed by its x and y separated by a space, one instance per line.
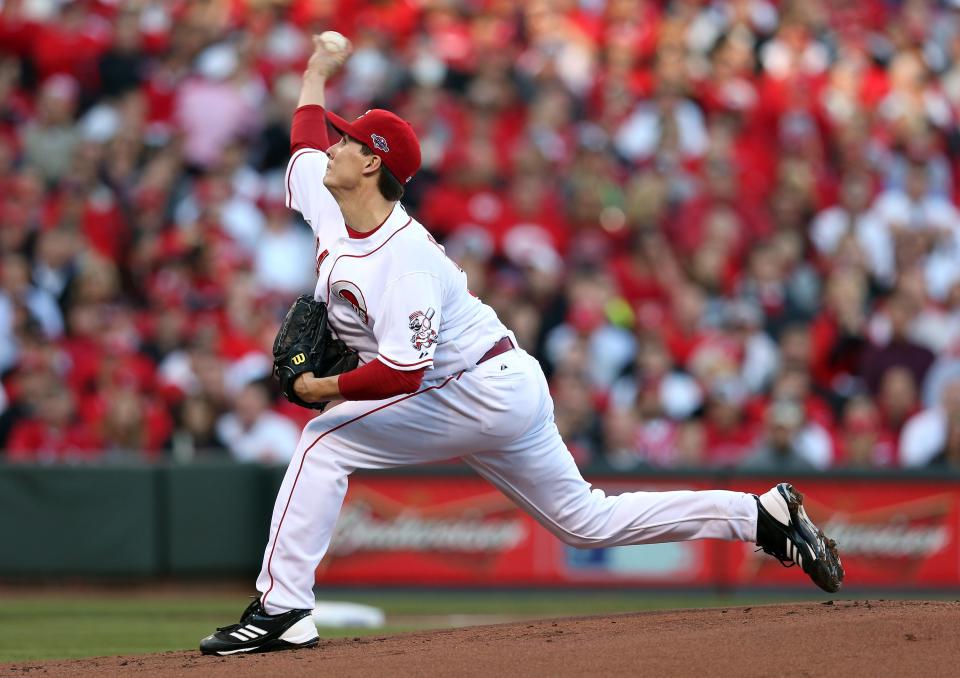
pixel 587 524
pixel 585 538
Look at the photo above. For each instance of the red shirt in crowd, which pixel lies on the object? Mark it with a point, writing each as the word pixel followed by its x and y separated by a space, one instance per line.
pixel 35 441
pixel 833 355
pixel 728 446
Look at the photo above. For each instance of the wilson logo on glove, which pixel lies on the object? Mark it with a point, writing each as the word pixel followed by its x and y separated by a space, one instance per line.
pixel 304 344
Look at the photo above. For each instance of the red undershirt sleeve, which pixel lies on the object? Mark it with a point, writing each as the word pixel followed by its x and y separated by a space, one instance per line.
pixel 375 381
pixel 309 129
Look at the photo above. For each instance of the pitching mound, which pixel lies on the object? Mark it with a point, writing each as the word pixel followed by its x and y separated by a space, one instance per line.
pixel 850 639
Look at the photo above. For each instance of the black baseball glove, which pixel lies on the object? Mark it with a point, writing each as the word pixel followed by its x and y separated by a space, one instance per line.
pixel 304 344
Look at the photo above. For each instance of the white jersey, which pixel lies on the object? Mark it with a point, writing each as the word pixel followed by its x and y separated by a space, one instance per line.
pixel 392 295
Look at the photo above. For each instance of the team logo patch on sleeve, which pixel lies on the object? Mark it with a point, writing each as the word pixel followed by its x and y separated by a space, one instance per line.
pixel 424 336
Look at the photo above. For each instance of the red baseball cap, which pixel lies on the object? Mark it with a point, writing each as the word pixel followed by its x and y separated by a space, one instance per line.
pixel 386 134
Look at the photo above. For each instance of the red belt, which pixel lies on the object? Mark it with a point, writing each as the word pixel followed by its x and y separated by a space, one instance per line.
pixel 505 344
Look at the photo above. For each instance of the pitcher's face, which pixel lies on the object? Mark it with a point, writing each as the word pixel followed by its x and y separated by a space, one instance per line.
pixel 346 165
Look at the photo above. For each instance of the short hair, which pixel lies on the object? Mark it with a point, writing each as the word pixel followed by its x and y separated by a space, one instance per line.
pixel 390 188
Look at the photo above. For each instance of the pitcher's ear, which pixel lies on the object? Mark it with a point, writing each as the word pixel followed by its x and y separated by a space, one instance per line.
pixel 372 163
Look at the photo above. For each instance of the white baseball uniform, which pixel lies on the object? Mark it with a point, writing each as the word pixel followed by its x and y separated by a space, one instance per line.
pixel 394 296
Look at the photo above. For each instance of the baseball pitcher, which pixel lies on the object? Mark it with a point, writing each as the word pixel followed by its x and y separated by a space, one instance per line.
pixel 436 376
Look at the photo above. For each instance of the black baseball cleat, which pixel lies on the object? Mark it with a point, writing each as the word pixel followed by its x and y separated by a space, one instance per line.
pixel 262 632
pixel 786 533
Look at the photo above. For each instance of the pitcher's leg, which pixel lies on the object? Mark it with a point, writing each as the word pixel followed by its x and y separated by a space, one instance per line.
pixel 353 435
pixel 304 515
pixel 539 474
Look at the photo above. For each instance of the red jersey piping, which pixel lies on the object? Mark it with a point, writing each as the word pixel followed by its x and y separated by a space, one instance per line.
pixel 405 365
pixel 293 161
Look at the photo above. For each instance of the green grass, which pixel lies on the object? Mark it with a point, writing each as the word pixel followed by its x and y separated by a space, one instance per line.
pixel 83 625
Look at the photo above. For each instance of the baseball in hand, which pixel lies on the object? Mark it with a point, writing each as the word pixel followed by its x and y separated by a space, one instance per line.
pixel 330 52
pixel 333 42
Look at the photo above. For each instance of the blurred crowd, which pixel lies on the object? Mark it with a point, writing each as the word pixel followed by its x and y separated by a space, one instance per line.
pixel 728 229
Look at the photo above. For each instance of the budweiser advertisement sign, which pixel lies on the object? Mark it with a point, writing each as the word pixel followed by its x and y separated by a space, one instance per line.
pixel 458 530
pixel 421 530
pixel 362 529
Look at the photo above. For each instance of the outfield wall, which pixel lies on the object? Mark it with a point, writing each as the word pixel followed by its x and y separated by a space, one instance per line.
pixel 445 526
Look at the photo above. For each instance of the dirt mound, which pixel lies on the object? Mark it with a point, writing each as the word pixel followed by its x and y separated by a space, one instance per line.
pixel 843 638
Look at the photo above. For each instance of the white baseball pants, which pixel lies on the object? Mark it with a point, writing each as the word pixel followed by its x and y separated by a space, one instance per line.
pixel 497 417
